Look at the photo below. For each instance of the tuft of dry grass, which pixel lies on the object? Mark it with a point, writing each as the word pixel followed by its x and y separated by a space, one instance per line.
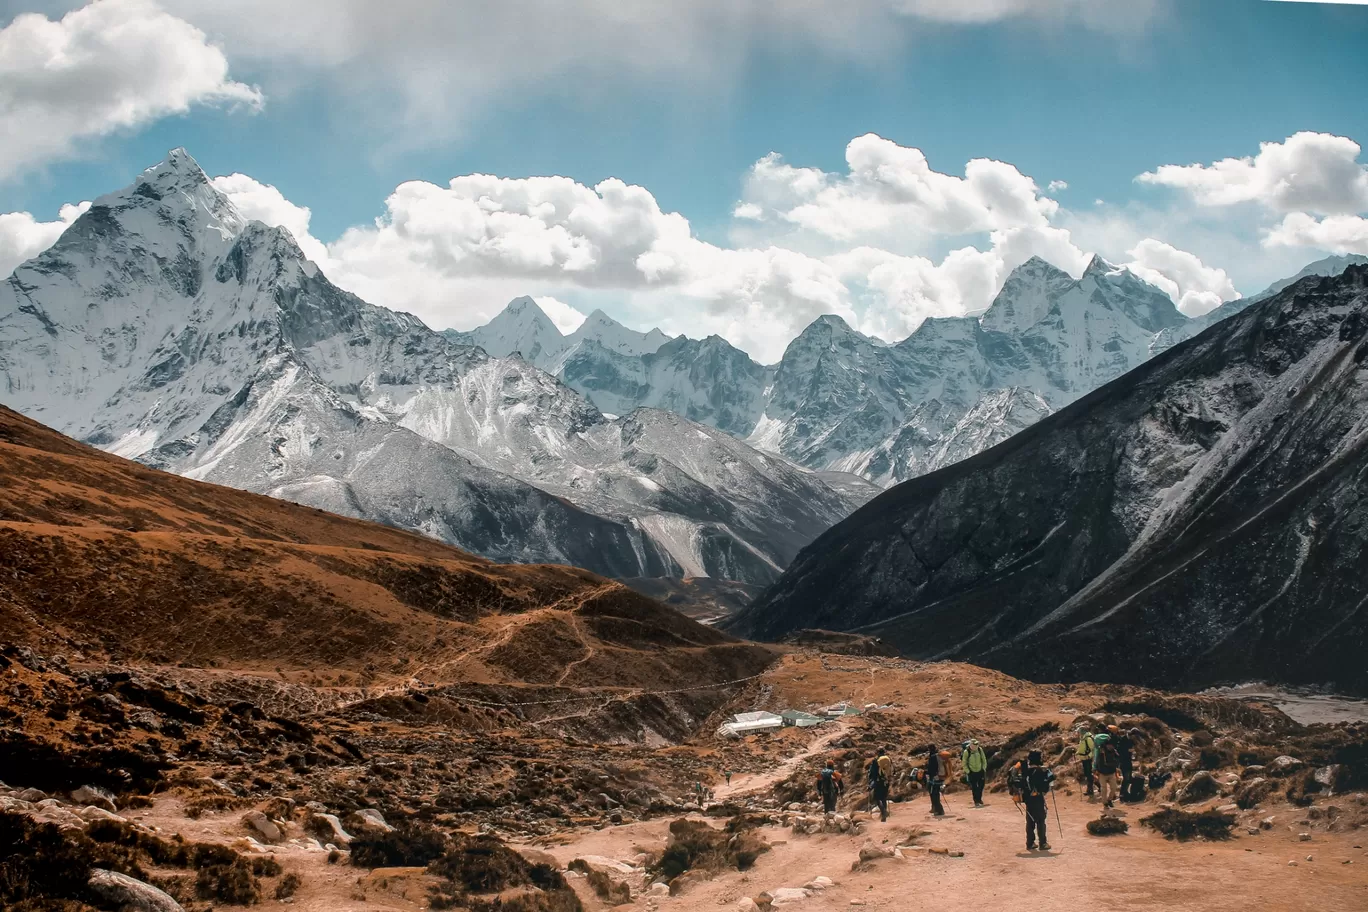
pixel 1108 826
pixel 1185 825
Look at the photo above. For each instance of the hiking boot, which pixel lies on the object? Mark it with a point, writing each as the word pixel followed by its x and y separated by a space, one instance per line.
pixel 1030 846
pixel 1044 847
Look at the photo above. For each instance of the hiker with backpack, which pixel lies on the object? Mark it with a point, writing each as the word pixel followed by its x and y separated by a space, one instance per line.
pixel 975 762
pixel 936 769
pixel 1125 748
pixel 1107 763
pixel 1084 752
pixel 1029 782
pixel 880 775
pixel 830 786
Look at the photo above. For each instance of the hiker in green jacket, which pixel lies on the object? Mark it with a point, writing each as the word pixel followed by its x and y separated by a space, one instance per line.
pixel 975 763
pixel 1084 752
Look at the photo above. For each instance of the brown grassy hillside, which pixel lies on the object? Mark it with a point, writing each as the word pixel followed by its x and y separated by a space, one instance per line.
pixel 103 558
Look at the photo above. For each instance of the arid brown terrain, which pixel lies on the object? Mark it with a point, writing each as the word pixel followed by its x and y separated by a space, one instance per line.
pixel 240 701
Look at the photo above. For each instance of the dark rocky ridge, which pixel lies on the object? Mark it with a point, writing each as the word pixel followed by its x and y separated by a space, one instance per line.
pixel 1200 519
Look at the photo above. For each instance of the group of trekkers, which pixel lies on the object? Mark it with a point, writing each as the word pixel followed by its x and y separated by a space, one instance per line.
pixel 1108 769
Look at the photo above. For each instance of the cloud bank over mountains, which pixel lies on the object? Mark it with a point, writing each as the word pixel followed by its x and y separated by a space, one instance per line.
pixel 884 242
pixel 805 241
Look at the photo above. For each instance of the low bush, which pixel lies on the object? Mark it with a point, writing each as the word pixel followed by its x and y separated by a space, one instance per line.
pixel 1185 825
pixel 694 845
pixel 1108 826
pixel 411 845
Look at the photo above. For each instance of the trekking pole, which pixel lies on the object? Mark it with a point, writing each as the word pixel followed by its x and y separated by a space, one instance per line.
pixel 1059 823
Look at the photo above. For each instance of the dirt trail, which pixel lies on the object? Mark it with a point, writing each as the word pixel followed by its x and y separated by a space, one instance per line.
pixel 1140 871
pixel 751 783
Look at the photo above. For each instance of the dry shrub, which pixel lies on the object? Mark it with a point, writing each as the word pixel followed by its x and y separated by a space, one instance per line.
pixel 1251 793
pixel 1185 825
pixel 39 866
pixel 411 845
pixel 1108 826
pixel 694 845
pixel 473 866
pixel 288 886
pixel 231 883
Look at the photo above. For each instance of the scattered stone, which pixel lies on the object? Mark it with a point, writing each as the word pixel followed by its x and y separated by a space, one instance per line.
pixel 94 796
pixel 1199 788
pixel 784 896
pixel 1267 823
pixel 659 888
pixel 262 826
pixel 31 795
pixel 1304 837
pixel 130 895
pixel 744 904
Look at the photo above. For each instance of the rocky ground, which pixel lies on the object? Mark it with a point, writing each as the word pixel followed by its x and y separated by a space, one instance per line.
pixel 236 790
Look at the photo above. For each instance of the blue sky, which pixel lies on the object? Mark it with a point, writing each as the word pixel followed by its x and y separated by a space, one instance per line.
pixel 1092 94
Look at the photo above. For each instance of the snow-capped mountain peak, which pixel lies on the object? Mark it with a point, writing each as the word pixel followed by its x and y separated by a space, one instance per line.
pixel 1025 296
pixel 600 328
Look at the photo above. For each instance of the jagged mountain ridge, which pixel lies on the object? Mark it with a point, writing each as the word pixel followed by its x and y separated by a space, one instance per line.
pixel 841 401
pixel 1200 519
pixel 523 328
pixel 163 326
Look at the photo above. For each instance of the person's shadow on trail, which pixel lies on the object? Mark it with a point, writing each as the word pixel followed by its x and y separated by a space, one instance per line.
pixel 1038 854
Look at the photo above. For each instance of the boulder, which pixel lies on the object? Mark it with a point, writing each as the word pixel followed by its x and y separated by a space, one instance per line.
pixel 328 829
pixel 129 895
pixel 587 863
pixel 92 814
pixel 785 896
pixel 94 796
pixel 1178 759
pixel 871 852
pixel 367 819
pixel 1199 788
pixel 1327 775
pixel 819 883
pixel 261 825
pixel 33 796
pixel 1282 765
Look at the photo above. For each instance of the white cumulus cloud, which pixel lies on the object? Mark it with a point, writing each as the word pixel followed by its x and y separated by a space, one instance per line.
pixel 1339 234
pixel 265 203
pixel 23 237
pixel 1195 287
pixel 1307 172
pixel 455 253
pixel 113 65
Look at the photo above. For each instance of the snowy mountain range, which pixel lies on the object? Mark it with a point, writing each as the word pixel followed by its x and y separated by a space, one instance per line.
pixel 841 401
pixel 165 327
pixel 1200 520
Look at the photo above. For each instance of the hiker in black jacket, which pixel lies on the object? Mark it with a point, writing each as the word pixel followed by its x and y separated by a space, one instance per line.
pixel 1032 782
pixel 935 779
